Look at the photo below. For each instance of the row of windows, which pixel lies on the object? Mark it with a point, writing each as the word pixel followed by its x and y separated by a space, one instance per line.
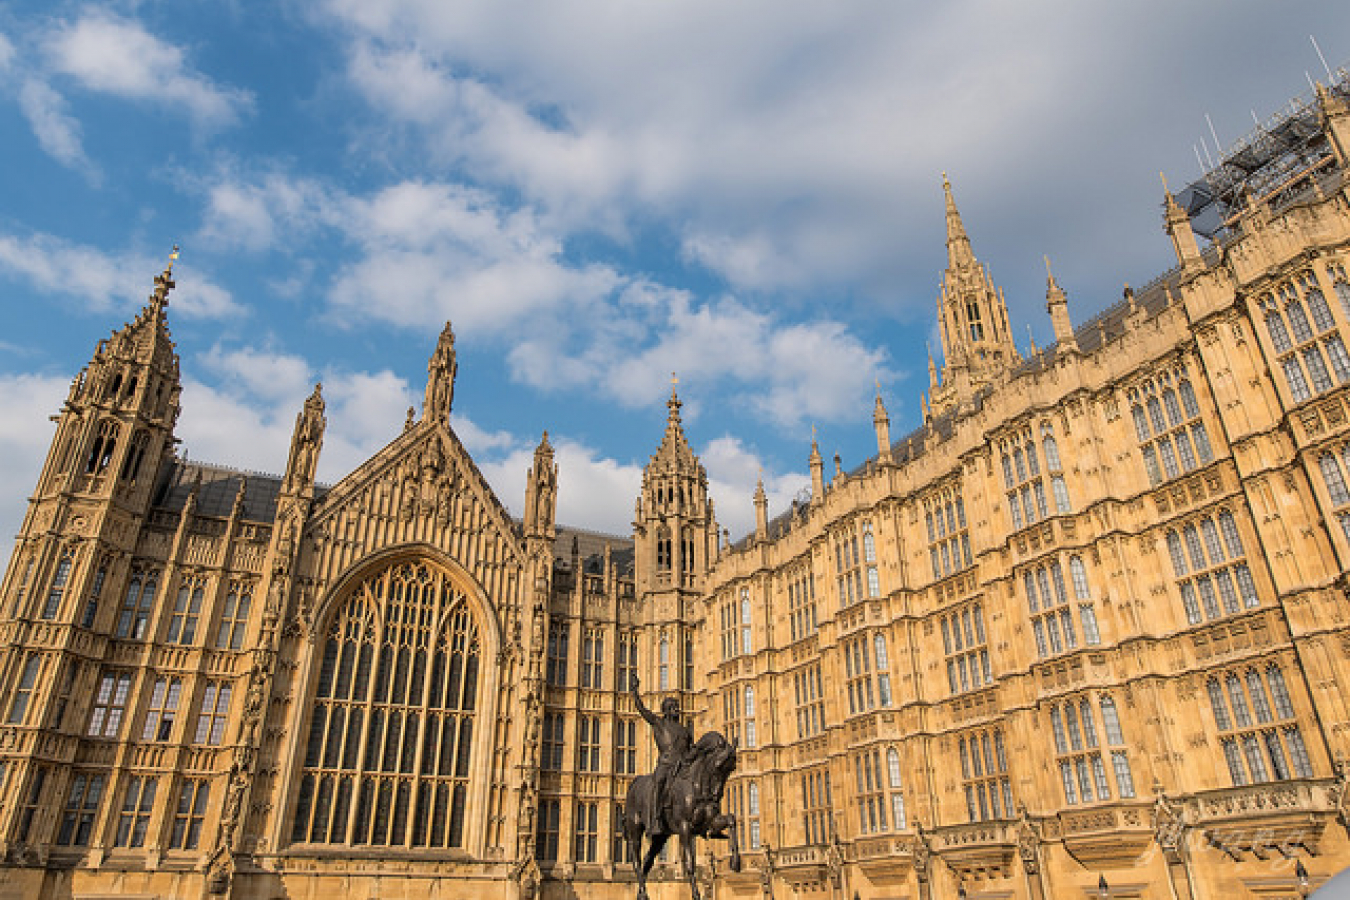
pixel 735 622
pixel 851 568
pixel 948 538
pixel 1052 616
pixel 810 696
pixel 1303 357
pixel 801 591
pixel 1172 437
pixel 963 642
pixel 85 795
pixel 1082 768
pixel 873 792
pixel 1024 483
pixel 860 675
pixel 1211 572
pixel 138 605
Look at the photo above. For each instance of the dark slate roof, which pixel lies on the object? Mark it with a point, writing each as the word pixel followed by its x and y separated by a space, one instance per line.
pixel 590 546
pixel 217 486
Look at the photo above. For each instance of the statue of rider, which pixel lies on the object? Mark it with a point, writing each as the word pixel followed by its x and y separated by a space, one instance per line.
pixel 674 741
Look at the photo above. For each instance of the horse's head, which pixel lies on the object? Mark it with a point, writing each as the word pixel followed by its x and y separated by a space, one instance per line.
pixel 718 755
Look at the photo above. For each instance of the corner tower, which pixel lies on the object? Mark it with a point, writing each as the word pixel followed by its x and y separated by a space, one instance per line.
pixel 977 344
pixel 675 540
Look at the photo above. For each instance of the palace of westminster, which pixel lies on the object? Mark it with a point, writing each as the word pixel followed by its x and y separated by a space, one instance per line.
pixel 1084 633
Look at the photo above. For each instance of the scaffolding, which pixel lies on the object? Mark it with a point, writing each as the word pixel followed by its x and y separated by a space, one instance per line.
pixel 1275 159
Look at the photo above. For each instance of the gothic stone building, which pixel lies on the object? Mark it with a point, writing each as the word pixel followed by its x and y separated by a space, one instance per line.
pixel 1084 633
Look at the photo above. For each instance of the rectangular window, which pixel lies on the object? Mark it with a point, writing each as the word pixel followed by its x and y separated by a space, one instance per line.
pixel 234 618
pixel 592 660
pixel 187 609
pixel 625 746
pixel 215 711
pixel 556 672
pixel 23 691
pixel 77 819
pixel 134 616
pixel 628 661
pixel 588 752
pixel 138 802
pixel 110 703
pixel 587 831
pixel 553 742
pixel 546 840
pixel 163 709
pixel 58 588
pixel 193 798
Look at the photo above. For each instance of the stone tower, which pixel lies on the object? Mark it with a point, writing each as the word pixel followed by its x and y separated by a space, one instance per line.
pixel 675 540
pixel 977 344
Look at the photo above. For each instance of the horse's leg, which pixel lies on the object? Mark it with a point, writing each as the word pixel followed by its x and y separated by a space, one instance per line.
pixel 633 835
pixel 687 843
pixel 654 844
pixel 735 862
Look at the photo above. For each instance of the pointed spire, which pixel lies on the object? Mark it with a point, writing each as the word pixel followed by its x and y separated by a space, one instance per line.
pixel 933 382
pixel 541 491
pixel 1177 224
pixel 674 404
pixel 1057 304
pixel 306 441
pixel 959 254
pixel 817 470
pixel 441 371
pixel 164 283
pixel 882 423
pixel 1031 341
pixel 761 510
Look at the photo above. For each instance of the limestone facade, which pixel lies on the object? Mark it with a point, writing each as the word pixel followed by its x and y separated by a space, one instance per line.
pixel 1085 631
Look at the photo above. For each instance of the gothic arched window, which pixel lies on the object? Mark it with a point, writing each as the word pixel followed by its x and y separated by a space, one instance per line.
pixel 387 758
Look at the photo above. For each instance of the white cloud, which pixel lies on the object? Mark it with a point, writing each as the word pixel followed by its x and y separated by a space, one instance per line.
pixel 734 470
pixel 784 373
pixel 101 281
pixel 594 492
pixel 58 133
pixel 432 252
pixel 6 53
pixel 118 56
pixel 27 400
pixel 245 416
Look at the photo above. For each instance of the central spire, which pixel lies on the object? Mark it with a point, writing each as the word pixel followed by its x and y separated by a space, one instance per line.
pixel 977 344
pixel 959 254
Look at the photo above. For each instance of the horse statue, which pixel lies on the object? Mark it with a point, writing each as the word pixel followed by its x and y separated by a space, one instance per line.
pixel 693 786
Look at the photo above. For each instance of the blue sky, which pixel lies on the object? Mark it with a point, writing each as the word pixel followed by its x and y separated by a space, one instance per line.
pixel 596 194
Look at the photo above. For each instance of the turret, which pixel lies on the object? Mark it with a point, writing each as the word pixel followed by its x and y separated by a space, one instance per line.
pixel 761 511
pixel 541 493
pixel 116 427
pixel 1057 304
pixel 441 370
pixel 882 423
pixel 1178 226
pixel 817 472
pixel 977 344
pixel 306 442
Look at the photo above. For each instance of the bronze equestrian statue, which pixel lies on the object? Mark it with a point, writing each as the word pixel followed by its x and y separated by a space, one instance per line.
pixel 681 797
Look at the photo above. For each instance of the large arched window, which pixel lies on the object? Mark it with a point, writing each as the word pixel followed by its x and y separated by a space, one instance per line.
pixel 387 753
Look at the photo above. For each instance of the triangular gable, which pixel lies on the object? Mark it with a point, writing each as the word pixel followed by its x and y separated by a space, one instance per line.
pixel 421 475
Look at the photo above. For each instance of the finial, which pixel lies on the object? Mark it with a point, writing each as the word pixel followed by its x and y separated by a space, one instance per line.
pixel 173 258
pixel 1164 181
pixel 1032 339
pixel 1048 274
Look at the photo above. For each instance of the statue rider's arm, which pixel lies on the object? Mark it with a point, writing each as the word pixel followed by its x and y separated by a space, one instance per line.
pixel 641 707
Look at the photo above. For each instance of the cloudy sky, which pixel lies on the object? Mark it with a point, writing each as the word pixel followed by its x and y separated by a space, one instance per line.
pixel 596 194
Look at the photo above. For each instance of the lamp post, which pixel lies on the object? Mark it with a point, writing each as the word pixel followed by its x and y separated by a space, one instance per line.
pixel 961 891
pixel 1302 875
pixel 1103 889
